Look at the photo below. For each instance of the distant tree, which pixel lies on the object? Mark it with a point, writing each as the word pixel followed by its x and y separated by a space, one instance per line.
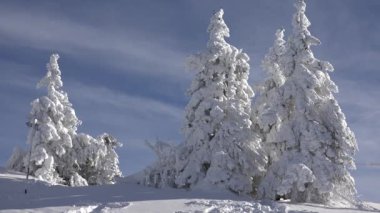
pixel 314 144
pixel 57 153
pixel 162 173
pixel 16 161
pixel 220 147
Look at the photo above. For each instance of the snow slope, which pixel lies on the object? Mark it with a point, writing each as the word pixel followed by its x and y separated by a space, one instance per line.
pixel 127 196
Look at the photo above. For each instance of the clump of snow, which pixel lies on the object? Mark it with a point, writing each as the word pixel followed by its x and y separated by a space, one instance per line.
pixel 86 209
pixel 220 206
pixel 77 180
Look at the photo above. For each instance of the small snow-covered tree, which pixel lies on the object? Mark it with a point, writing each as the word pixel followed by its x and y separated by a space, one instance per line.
pixel 16 161
pixel 109 160
pixel 317 146
pixel 162 173
pixel 58 154
pixel 220 147
pixel 95 159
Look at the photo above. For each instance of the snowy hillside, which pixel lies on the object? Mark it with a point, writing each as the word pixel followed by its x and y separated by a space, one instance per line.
pixel 127 196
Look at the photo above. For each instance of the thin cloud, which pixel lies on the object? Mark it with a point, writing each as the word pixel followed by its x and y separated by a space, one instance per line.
pixel 362 111
pixel 104 96
pixel 115 47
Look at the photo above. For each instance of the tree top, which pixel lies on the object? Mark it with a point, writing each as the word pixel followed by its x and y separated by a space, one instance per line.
pixel 53 75
pixel 218 28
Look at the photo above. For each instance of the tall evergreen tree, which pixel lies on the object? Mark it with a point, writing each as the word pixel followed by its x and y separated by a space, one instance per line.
pixel 316 145
pixel 220 147
pixel 58 154
pixel 54 125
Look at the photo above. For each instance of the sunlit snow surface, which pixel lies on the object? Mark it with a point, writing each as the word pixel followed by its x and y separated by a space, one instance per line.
pixel 127 196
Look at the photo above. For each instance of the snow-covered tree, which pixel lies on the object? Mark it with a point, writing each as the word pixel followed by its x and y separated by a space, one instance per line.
pixel 95 159
pixel 315 145
pixel 57 153
pixel 268 108
pixel 53 127
pixel 162 173
pixel 109 163
pixel 220 148
pixel 16 161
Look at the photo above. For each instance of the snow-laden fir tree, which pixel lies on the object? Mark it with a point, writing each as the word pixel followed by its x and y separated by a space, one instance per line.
pixel 315 144
pixel 268 108
pixel 220 148
pixel 53 127
pixel 57 153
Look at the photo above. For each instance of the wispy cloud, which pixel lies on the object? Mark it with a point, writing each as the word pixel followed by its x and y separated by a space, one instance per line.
pixel 131 119
pixel 16 75
pixel 128 103
pixel 115 47
pixel 361 107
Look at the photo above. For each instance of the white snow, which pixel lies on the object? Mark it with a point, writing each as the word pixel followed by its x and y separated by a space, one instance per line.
pixel 127 196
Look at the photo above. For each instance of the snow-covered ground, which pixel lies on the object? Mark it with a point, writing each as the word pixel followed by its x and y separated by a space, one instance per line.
pixel 127 196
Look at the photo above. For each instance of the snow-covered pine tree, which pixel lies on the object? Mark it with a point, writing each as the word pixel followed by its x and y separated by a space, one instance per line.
pixel 317 145
pixel 268 109
pixel 57 153
pixel 53 127
pixel 220 147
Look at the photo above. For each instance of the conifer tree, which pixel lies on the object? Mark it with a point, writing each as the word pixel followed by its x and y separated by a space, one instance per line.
pixel 268 109
pixel 58 154
pixel 220 147
pixel 53 126
pixel 316 146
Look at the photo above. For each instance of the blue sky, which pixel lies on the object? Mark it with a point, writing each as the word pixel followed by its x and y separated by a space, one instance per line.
pixel 123 64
